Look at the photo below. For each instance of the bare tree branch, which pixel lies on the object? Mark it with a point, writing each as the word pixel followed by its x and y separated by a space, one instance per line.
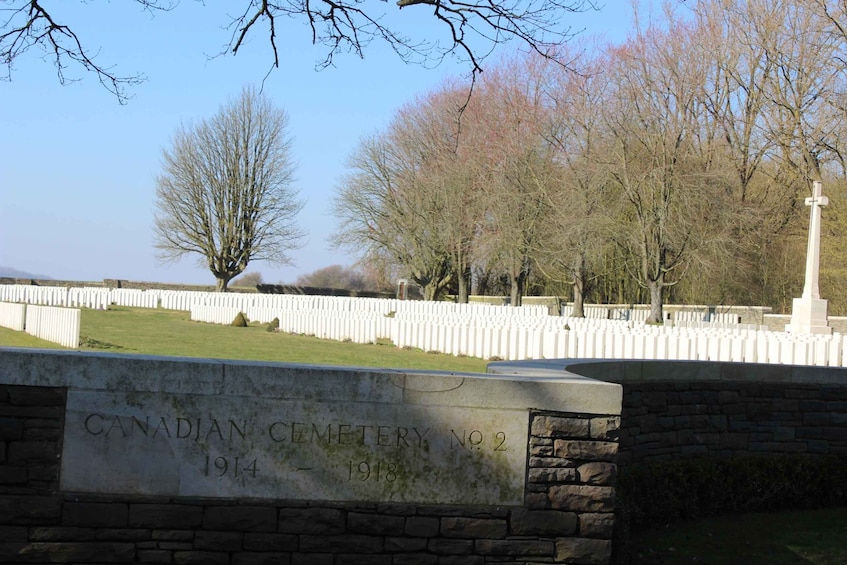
pixel 472 28
pixel 29 25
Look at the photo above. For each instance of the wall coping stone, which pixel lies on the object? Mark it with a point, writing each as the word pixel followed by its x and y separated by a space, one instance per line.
pixel 85 371
pixel 635 370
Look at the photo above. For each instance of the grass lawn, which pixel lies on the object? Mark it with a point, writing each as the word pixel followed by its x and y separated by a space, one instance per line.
pixel 811 537
pixel 171 332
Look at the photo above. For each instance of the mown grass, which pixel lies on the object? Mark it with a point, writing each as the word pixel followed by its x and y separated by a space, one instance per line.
pixel 11 338
pixel 171 332
pixel 816 537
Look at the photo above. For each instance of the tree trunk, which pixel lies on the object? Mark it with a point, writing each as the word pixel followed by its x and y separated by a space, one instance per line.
pixel 464 286
pixel 657 289
pixel 516 289
pixel 578 310
pixel 430 291
pixel 222 284
pixel 579 289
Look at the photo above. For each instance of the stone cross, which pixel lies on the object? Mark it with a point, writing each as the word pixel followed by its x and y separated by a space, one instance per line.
pixel 813 251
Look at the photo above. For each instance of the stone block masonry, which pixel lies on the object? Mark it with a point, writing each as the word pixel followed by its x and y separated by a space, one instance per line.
pixel 678 419
pixel 677 409
pixel 563 514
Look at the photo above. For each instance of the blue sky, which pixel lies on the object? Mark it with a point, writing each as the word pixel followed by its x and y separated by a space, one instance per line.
pixel 77 169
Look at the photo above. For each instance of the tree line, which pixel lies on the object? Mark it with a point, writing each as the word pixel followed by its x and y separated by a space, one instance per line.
pixel 670 167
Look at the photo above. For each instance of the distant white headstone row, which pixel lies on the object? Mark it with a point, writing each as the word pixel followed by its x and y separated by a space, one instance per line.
pixel 476 330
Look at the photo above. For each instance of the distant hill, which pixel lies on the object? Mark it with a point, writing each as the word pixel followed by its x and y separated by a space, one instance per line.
pixel 16 274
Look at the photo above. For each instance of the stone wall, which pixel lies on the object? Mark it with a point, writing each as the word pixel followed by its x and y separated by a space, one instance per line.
pixel 675 409
pixel 672 419
pixel 566 517
pixel 777 322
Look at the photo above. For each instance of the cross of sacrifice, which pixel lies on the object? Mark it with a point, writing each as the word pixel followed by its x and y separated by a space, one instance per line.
pixel 813 251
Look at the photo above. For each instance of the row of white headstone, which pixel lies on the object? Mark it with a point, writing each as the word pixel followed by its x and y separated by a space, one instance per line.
pixel 541 336
pixel 477 330
pixel 50 323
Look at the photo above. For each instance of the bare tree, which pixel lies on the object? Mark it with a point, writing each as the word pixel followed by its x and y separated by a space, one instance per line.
pixel 387 210
pixel 577 229
pixel 226 191
pixel 658 162
pixel 515 165
pixel 470 27
pixel 807 92
pixel 410 196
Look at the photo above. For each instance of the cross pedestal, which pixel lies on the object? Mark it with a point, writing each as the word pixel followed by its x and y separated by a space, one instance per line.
pixel 809 312
pixel 808 316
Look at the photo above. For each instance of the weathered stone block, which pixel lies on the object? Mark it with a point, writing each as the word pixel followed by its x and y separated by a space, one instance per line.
pixel 176 546
pixel 403 544
pixel 416 559
pixel 351 543
pixel 312 559
pixel 581 551
pixel 311 521
pixel 541 450
pixel 59 533
pixel 514 547
pixel 421 526
pixel 450 546
pixel 557 426
pixel 456 527
pixel 166 516
pixel 378 524
pixel 463 560
pixel 43 473
pixel 552 475
pixel 218 541
pixel 550 523
pixel 13 475
pixel 591 450
pixel 606 428
pixel 154 556
pixel 549 462
pixel 363 559
pixel 246 518
pixel 11 429
pixel 36 396
pixel 32 433
pixel 75 552
pixel 172 535
pixel 200 558
pixel 25 510
pixel 596 525
pixel 536 500
pixel 43 452
pixel 13 534
pixel 261 559
pixel 10 552
pixel 269 542
pixel 597 473
pixel 485 444
pixel 582 498
pixel 122 534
